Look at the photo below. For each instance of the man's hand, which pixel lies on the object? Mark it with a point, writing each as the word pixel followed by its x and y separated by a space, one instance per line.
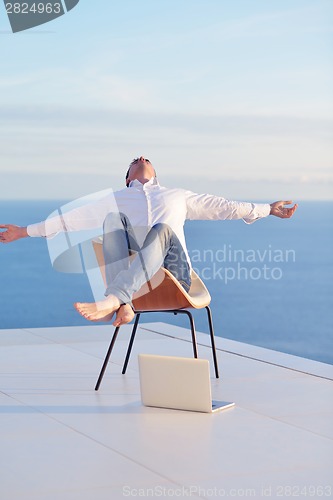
pixel 279 210
pixel 12 233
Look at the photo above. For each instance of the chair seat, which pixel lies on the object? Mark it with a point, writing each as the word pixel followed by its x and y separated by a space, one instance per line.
pixel 164 292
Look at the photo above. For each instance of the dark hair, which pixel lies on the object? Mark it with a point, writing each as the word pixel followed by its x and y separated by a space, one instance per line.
pixel 127 175
pixel 129 168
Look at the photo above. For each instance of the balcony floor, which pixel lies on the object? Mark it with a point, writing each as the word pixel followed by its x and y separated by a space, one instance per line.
pixel 60 439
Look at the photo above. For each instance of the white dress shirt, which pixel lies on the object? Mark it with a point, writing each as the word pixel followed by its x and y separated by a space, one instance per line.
pixel 147 204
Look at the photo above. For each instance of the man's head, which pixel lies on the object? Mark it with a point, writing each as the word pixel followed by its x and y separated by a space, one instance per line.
pixel 140 169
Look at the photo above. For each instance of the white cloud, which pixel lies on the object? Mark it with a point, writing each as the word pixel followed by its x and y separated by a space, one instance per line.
pixel 74 140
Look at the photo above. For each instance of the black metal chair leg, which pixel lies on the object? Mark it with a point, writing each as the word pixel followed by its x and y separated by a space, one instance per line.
pixel 130 345
pixel 194 340
pixel 211 331
pixel 107 357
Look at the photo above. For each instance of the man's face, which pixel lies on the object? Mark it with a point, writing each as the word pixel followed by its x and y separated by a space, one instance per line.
pixel 141 169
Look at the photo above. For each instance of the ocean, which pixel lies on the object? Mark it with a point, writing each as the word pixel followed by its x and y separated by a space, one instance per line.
pixel 270 282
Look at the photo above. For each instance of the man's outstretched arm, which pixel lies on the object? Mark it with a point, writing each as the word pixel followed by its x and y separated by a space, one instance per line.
pixel 211 207
pixel 279 210
pixel 12 233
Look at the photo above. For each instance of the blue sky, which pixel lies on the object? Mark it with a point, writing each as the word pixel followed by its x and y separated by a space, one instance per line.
pixel 232 97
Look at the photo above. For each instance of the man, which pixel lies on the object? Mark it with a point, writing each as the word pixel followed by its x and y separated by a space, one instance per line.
pixel 144 219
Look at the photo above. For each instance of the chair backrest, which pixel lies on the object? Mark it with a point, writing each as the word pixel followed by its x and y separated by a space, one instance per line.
pixel 163 291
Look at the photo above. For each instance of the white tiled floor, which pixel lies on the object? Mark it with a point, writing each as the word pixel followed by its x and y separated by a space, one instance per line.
pixel 61 440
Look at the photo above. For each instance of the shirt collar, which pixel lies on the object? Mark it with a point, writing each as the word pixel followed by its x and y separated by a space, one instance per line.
pixel 152 182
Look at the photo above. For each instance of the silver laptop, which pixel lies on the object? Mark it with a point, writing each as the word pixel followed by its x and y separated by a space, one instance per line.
pixel 177 383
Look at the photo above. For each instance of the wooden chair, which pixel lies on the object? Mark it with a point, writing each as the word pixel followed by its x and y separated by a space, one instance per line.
pixel 163 293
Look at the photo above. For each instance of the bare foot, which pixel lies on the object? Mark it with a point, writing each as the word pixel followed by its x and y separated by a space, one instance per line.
pixel 124 315
pixel 98 311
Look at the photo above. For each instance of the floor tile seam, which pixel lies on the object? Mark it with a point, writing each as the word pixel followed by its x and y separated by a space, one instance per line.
pixel 70 346
pixel 38 335
pixel 279 365
pixel 52 341
pixel 2 393
pixel 45 337
pixel 76 349
pixel 55 375
pixel 98 442
pixel 63 344
pixel 279 419
pixel 271 363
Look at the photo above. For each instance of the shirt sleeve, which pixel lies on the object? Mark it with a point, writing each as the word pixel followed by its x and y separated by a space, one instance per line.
pixel 35 230
pixel 210 207
pixel 88 216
